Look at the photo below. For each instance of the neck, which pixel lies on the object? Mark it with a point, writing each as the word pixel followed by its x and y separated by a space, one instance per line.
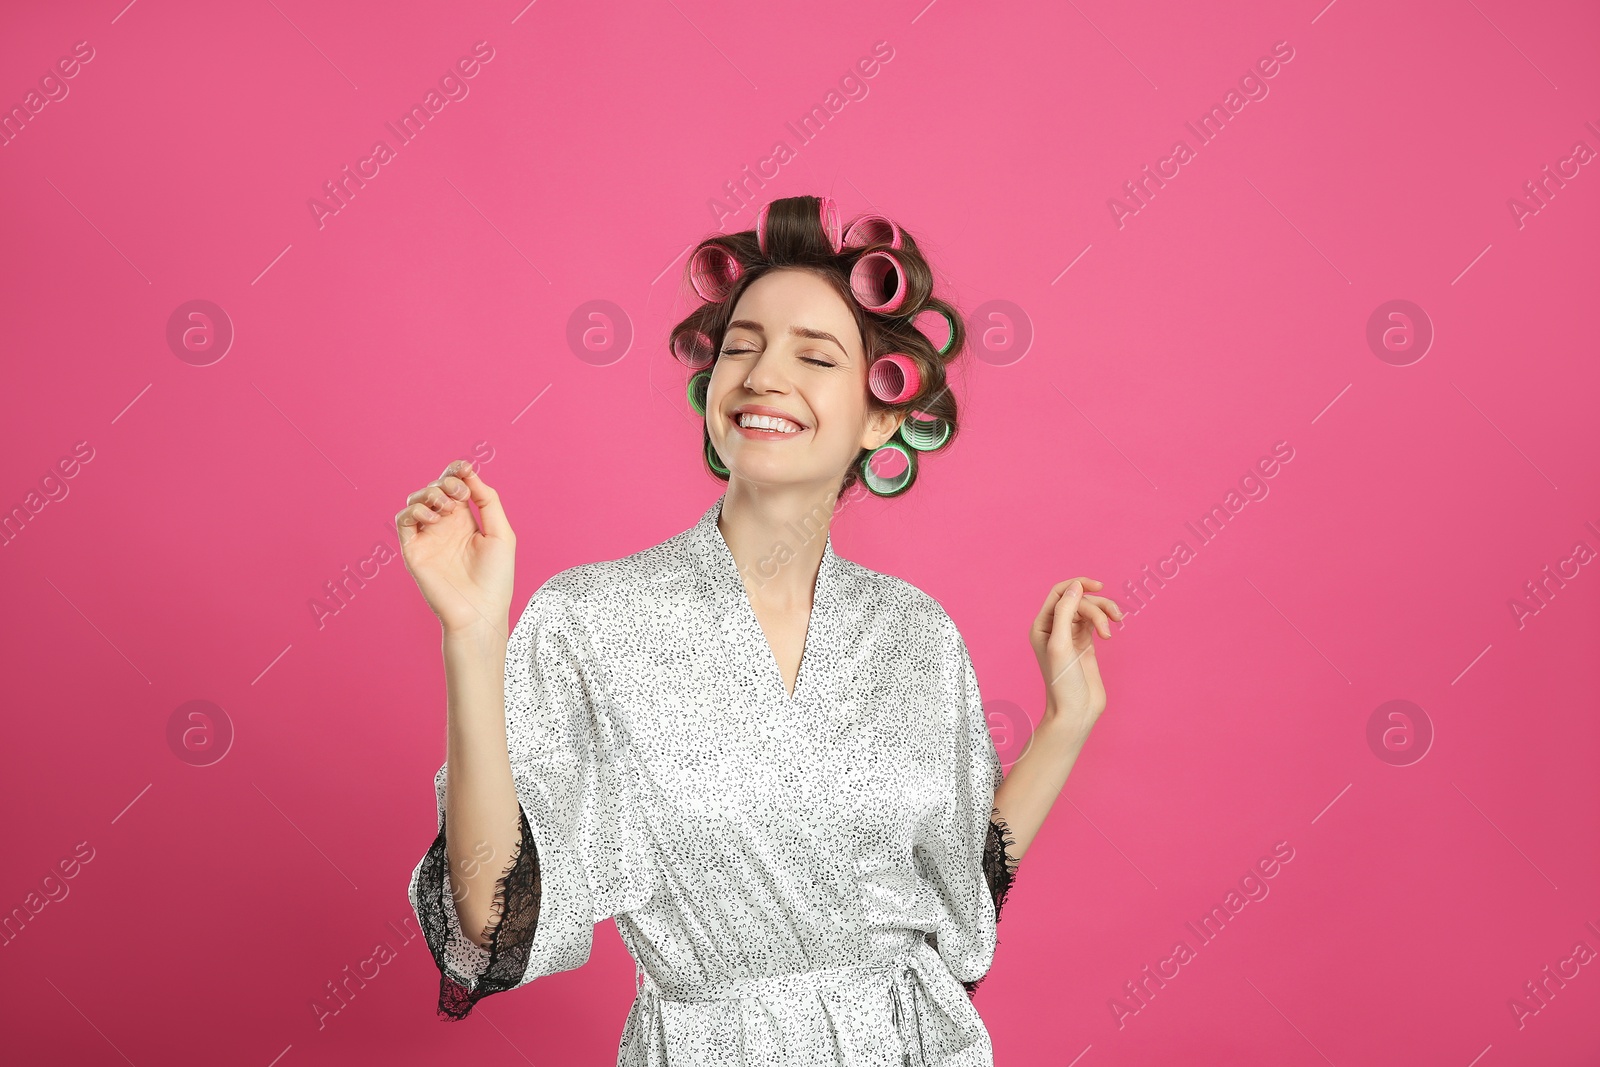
pixel 777 537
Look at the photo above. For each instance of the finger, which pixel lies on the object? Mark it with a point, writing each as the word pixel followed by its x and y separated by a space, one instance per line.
pixel 1066 608
pixel 418 515
pixel 453 487
pixel 1095 616
pixel 434 497
pixel 1108 604
pixel 411 518
pixel 1087 583
pixel 495 523
pixel 1043 622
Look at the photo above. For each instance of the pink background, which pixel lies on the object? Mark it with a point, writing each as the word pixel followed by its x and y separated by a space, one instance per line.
pixel 1228 314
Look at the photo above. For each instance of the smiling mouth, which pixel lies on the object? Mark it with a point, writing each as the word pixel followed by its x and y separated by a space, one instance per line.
pixel 767 424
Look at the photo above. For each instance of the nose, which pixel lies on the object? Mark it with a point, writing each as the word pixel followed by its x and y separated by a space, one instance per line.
pixel 767 374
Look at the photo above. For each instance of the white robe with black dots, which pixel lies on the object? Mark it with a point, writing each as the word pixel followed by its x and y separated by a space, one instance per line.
pixel 807 878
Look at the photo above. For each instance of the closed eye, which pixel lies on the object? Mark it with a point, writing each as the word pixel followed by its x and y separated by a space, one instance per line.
pixel 749 351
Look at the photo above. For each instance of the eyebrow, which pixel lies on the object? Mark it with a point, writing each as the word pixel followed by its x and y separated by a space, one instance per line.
pixel 798 331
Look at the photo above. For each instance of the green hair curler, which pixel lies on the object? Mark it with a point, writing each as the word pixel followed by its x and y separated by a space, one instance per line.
pixel 924 432
pixel 699 385
pixel 887 487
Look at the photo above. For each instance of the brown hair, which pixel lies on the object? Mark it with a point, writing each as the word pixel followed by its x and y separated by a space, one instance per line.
pixel 795 238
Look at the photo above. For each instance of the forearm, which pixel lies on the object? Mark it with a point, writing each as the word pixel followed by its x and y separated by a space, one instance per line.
pixel 481 807
pixel 1029 791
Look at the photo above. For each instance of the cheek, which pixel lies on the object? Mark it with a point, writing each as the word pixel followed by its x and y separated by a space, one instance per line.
pixel 724 379
pixel 841 408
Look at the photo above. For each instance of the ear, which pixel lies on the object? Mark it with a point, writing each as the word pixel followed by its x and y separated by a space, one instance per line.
pixel 881 425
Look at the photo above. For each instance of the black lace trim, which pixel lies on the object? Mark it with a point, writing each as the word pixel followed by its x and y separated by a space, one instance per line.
pixel 513 920
pixel 999 870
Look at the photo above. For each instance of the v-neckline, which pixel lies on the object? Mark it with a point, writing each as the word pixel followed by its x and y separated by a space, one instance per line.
pixel 728 585
pixel 805 643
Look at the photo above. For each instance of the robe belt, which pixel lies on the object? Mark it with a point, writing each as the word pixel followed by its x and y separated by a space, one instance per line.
pixel 897 973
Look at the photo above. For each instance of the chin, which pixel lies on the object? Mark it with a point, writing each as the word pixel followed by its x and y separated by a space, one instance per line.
pixel 774 475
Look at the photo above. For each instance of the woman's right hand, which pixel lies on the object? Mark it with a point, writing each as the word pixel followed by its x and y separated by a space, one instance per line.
pixel 464 573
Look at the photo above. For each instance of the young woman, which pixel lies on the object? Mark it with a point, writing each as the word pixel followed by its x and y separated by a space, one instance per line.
pixel 769 764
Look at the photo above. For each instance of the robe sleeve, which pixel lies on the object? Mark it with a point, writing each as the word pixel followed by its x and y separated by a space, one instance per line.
pixel 962 852
pixel 579 857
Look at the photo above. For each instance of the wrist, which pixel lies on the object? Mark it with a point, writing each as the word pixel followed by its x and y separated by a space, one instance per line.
pixel 480 634
pixel 1062 730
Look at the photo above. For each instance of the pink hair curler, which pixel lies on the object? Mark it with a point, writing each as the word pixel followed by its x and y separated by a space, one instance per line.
pixel 761 227
pixel 872 230
pixel 829 212
pixel 894 378
pixel 827 215
pixel 713 271
pixel 879 282
pixel 693 349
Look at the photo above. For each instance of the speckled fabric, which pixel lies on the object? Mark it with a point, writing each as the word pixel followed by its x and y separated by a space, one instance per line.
pixel 801 878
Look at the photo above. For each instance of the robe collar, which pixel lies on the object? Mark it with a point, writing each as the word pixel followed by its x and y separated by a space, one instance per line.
pixel 724 587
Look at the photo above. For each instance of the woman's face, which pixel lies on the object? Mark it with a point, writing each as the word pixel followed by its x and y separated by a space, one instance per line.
pixel 792 352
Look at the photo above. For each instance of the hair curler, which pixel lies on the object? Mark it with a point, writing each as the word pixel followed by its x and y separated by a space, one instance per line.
pixel 693 349
pixel 713 271
pixel 872 230
pixel 879 282
pixel 714 461
pixel 699 386
pixel 924 432
pixel 828 215
pixel 894 378
pixel 949 322
pixel 895 484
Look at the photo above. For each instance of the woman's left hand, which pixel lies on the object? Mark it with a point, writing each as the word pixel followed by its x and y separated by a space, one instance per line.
pixel 1063 642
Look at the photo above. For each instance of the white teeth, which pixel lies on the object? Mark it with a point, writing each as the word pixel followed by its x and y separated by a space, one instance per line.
pixel 767 422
